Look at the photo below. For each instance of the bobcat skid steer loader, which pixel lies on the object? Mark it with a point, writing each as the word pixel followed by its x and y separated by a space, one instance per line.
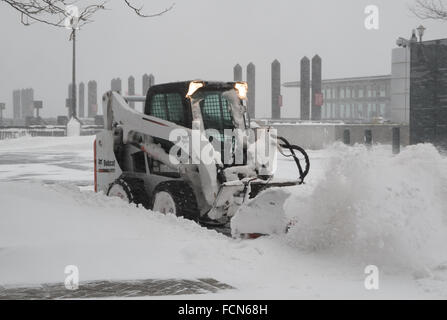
pixel 192 153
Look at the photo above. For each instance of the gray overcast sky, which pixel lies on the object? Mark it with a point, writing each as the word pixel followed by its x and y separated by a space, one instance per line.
pixel 203 39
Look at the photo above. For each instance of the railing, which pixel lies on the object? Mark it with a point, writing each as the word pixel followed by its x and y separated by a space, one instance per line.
pixel 42 131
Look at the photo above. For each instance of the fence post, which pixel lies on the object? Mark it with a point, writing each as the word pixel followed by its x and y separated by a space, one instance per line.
pixel 251 95
pixel 131 90
pixel 237 72
pixel 368 138
pixel 276 90
pixel 316 88
pixel 347 137
pixel 396 140
pixel 305 89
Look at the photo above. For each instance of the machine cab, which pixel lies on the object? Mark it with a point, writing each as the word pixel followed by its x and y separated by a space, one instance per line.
pixel 220 103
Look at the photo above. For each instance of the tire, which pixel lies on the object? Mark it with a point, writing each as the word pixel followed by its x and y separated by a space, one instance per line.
pixel 130 189
pixel 181 196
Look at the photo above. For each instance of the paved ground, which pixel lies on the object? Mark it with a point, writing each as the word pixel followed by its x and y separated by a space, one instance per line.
pixel 122 289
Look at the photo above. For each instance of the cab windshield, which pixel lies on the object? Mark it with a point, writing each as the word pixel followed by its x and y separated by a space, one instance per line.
pixel 216 111
pixel 222 112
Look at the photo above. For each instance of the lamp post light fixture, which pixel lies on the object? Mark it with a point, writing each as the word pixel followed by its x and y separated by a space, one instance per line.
pixel 421 30
pixel 402 42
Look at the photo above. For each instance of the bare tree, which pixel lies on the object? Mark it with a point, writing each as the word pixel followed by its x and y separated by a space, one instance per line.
pixel 430 9
pixel 56 13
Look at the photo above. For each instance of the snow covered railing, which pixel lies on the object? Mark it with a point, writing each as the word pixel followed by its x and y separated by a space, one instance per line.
pixel 50 131
pixel 17 133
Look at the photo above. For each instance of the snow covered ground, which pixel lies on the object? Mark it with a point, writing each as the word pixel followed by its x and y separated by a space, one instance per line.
pixel 357 208
pixel 47 159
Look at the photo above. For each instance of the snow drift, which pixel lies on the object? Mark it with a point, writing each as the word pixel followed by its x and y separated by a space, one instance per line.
pixel 379 208
pixel 73 127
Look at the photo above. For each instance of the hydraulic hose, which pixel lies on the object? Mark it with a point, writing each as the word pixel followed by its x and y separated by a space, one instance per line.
pixel 292 148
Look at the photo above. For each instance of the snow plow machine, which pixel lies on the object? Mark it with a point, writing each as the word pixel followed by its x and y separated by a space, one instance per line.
pixel 194 152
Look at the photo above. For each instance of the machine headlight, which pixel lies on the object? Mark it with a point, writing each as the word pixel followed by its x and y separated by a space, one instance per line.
pixel 241 88
pixel 193 87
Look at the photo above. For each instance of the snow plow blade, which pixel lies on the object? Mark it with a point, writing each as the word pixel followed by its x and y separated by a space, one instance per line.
pixel 263 213
pixel 256 207
pixel 258 187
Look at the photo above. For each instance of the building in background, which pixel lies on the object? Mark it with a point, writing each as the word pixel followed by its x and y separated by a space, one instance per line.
pixel 27 103
pixel 400 86
pixel 356 99
pixel 17 113
pixel 428 92
pixel 81 100
pixel 92 99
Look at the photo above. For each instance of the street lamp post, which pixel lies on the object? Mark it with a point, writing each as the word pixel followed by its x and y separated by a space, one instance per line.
pixel 73 87
pixel 73 125
pixel 421 30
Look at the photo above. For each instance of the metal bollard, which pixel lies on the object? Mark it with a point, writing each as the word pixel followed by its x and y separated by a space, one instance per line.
pixel 396 140
pixel 368 138
pixel 347 137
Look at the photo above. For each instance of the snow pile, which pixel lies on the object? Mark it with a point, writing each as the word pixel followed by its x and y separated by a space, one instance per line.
pixel 379 208
pixel 73 127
